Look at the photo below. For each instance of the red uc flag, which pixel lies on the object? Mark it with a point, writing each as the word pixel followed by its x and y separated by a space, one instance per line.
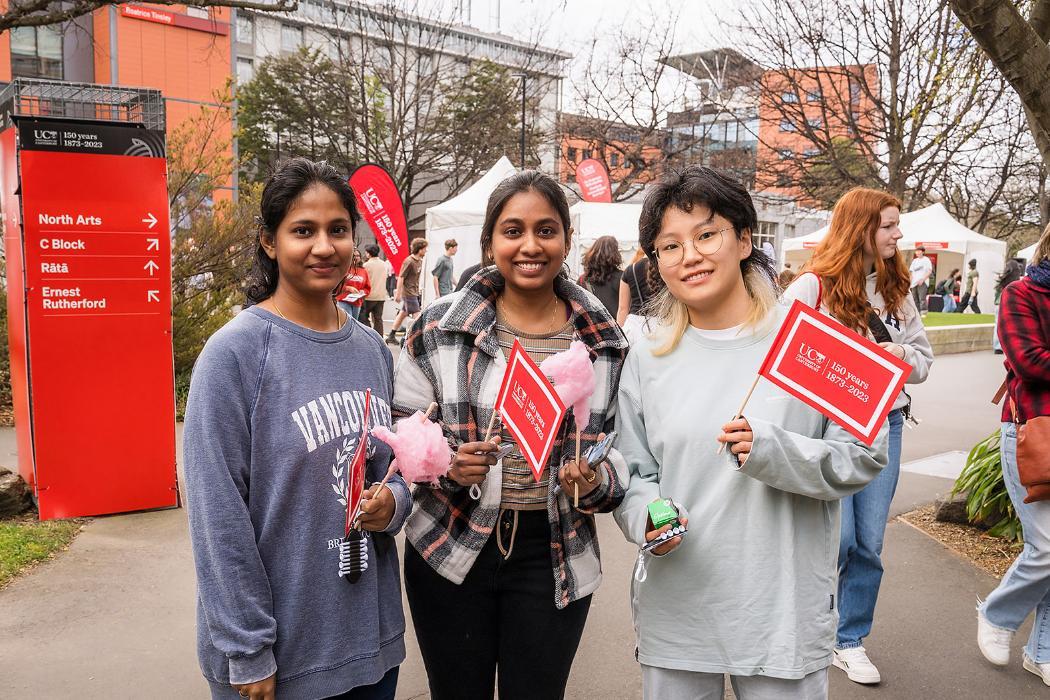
pixel 530 408
pixel 381 207
pixel 593 181
pixel 845 376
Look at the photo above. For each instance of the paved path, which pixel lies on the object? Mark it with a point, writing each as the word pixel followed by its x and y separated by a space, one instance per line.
pixel 113 617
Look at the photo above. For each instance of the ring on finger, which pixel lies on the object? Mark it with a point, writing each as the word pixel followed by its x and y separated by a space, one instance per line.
pixel 590 479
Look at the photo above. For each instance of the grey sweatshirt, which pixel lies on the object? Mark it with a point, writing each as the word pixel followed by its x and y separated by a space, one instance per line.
pixel 751 589
pixel 273 418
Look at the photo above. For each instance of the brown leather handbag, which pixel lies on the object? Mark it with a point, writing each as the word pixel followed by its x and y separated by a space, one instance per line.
pixel 1033 452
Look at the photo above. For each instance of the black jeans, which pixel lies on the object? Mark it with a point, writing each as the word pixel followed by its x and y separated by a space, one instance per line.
pixel 967 300
pixel 502 615
pixel 372 314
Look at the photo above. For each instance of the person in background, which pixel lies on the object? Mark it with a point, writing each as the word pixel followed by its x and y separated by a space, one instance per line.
pixel 442 270
pixel 601 272
pixel 375 300
pixel 786 277
pixel 946 288
pixel 467 274
pixel 636 291
pixel 407 292
pixel 920 270
pixel 746 590
pixel 275 618
pixel 1011 273
pixel 969 297
pixel 857 276
pixel 500 587
pixel 1024 326
pixel 356 286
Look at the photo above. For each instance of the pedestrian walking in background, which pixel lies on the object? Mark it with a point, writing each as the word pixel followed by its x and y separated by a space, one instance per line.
pixel 1024 326
pixel 356 286
pixel 920 270
pixel 746 590
pixel 274 616
pixel 502 585
pixel 408 292
pixel 787 276
pixel 442 270
pixel 1012 272
pixel 857 275
pixel 375 300
pixel 602 274
pixel 946 288
pixel 635 293
pixel 969 297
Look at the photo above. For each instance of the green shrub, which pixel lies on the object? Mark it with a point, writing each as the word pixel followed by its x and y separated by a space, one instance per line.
pixel 987 501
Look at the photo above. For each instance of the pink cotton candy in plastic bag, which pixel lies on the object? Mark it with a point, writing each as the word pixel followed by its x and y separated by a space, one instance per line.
pixel 421 452
pixel 573 377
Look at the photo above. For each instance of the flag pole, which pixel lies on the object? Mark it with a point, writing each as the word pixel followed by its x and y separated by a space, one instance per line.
pixel 575 484
pixel 740 410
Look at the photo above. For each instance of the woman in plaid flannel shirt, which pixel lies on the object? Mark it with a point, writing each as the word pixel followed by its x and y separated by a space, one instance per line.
pixel 505 581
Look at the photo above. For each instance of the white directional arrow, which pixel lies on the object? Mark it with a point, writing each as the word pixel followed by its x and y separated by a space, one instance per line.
pixel 152 244
pixel 151 267
pixel 153 295
pixel 150 219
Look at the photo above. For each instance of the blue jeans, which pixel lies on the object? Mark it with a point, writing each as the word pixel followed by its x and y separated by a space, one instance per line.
pixel 949 303
pixel 864 517
pixel 1026 585
pixel 351 310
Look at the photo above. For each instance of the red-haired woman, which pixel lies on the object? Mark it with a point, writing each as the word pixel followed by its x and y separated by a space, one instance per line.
pixel 858 276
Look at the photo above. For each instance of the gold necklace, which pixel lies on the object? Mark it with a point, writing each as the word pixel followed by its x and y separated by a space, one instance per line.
pixel 501 303
pixel 281 314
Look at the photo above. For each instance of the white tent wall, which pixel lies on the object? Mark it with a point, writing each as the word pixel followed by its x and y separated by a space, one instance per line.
pixel 460 218
pixel 954 244
pixel 592 220
pixel 1026 253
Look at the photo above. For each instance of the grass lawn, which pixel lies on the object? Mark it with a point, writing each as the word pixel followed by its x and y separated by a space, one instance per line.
pixel 941 319
pixel 24 541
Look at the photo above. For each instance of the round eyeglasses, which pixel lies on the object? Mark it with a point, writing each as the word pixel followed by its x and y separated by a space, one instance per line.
pixel 671 253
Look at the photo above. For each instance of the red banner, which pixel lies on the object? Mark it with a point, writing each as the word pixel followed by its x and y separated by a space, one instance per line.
pixel 845 376
pixel 593 181
pixel 530 408
pixel 381 207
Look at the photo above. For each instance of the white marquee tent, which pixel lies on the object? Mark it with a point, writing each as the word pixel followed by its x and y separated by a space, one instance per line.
pixel 1027 253
pixel 592 220
pixel 943 236
pixel 460 218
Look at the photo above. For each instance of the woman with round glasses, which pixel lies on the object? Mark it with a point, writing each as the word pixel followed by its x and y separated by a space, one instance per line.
pixel 749 591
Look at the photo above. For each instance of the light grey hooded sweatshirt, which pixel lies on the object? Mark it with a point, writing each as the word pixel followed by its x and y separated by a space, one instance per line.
pixel 751 590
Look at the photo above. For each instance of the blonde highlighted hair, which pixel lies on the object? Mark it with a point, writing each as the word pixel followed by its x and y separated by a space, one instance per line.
pixel 726 197
pixel 1042 248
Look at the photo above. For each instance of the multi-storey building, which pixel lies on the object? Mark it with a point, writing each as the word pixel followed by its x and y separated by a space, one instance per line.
pixel 193 54
pixel 633 154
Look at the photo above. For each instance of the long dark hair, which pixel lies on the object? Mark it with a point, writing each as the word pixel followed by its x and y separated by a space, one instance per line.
pixel 284 186
pixel 602 260
pixel 528 180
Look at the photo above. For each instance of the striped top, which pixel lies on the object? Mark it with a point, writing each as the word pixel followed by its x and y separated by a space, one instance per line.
pixel 521 490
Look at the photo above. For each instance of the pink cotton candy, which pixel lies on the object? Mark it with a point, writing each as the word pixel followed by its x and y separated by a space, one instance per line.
pixel 420 448
pixel 572 374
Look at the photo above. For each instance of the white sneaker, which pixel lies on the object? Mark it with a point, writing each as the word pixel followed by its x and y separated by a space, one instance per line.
pixel 1041 670
pixel 993 641
pixel 857 665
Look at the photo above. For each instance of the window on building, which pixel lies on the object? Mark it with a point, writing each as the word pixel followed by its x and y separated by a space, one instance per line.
pixel 787 125
pixel 765 237
pixel 198 12
pixel 789 97
pixel 614 160
pixel 815 122
pixel 572 154
pixel 784 180
pixel 786 154
pixel 814 95
pixel 854 90
pixel 789 230
pixel 36 52
pixel 245 70
pixel 291 37
pixel 245 29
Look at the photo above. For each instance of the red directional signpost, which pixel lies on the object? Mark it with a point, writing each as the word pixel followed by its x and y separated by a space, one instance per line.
pixel 96 250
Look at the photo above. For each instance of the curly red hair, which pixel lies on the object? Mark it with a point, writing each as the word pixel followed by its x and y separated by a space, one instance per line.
pixel 839 259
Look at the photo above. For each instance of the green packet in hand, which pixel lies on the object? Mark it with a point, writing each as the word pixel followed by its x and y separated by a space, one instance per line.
pixel 662 512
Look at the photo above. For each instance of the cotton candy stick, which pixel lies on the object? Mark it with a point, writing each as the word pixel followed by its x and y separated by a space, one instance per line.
pixel 740 411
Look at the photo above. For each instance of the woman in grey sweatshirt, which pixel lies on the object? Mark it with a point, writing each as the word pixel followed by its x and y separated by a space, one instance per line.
pixel 749 590
pixel 275 413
